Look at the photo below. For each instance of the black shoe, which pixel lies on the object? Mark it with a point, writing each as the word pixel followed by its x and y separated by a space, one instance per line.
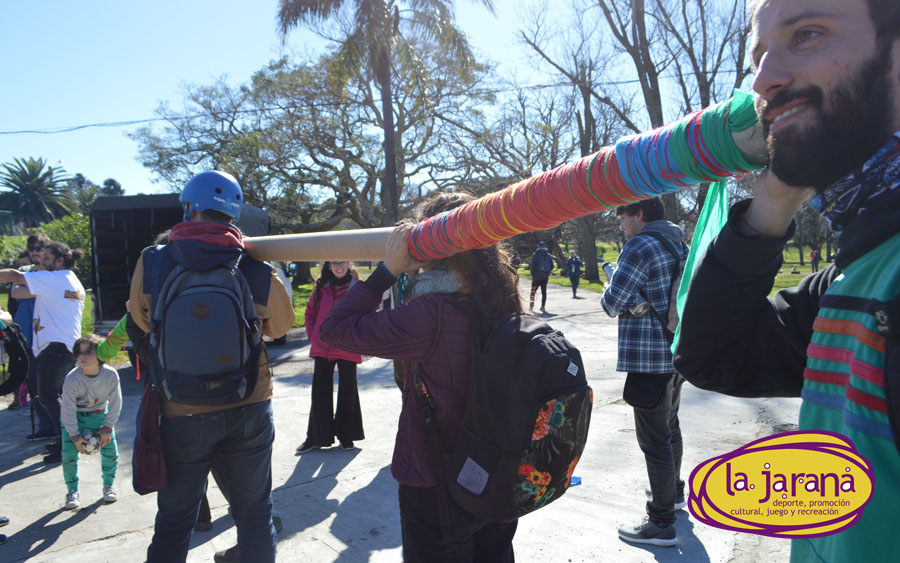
pixel 276 521
pixel 230 555
pixel 2 539
pixel 53 447
pixel 347 446
pixel 306 446
pixel 203 526
pixel 38 437
pixel 54 457
pixel 4 520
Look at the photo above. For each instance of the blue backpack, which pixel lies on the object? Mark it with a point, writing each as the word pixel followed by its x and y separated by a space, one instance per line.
pixel 205 338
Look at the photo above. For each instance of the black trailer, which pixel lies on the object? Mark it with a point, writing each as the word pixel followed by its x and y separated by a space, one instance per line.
pixel 122 226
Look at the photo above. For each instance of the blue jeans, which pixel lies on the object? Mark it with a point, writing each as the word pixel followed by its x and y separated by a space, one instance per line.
pixel 659 436
pixel 240 441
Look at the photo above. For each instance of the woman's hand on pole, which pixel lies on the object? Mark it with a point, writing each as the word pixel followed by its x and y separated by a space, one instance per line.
pixel 396 253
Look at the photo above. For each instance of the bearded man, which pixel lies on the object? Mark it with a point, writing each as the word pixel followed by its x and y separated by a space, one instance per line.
pixel 828 98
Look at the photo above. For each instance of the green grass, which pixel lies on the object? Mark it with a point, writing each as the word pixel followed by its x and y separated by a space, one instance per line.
pixel 609 253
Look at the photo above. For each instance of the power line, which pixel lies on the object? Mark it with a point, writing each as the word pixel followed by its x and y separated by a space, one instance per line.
pixel 69 129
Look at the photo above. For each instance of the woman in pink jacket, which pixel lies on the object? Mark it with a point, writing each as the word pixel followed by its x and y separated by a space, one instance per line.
pixel 325 424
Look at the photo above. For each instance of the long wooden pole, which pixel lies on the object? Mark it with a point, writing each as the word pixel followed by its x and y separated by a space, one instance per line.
pixel 361 244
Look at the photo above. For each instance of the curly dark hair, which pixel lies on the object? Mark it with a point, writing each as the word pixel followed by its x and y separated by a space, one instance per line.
pixel 492 284
pixel 61 250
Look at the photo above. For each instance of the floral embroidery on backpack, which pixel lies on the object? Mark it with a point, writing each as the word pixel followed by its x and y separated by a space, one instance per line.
pixel 535 481
pixel 552 414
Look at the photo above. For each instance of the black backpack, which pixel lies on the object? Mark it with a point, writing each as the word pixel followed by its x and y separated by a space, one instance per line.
pixel 525 425
pixel 205 338
pixel 543 264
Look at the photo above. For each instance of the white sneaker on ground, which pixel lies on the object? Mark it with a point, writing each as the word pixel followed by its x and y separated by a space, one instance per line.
pixel 72 498
pixel 109 494
pixel 649 533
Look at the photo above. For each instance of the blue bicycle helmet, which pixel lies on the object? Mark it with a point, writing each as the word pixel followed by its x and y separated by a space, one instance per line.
pixel 214 190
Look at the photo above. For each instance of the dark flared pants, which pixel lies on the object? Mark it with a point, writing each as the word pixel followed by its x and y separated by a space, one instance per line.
pixel 325 422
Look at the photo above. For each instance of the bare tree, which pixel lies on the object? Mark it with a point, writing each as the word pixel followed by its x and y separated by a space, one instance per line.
pixel 693 47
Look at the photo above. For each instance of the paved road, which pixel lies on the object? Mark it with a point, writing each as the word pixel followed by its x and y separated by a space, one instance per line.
pixel 341 506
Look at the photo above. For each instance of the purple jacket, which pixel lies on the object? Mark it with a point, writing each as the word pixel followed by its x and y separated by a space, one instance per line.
pixel 430 331
pixel 317 308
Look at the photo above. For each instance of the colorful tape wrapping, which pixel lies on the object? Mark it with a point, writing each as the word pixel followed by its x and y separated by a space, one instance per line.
pixel 697 148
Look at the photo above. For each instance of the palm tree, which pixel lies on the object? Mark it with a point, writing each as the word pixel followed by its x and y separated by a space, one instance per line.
pixel 37 193
pixel 370 46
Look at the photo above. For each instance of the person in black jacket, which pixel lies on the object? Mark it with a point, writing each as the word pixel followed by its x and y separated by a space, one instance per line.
pixel 828 99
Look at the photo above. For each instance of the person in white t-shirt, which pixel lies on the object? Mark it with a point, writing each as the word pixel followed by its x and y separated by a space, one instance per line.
pixel 58 306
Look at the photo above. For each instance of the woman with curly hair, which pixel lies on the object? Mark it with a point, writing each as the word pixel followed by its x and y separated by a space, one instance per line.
pixel 431 330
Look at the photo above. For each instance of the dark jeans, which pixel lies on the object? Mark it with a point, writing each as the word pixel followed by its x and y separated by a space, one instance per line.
pixel 474 541
pixel 574 280
pixel 659 436
pixel 535 284
pixel 53 363
pixel 346 420
pixel 239 440
pixel 45 424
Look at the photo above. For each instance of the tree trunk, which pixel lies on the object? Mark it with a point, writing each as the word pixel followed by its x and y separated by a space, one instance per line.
pixel 303 273
pixel 390 197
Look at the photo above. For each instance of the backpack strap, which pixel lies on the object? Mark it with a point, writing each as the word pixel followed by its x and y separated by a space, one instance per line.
pixel 668 244
pixel 442 494
pixel 157 262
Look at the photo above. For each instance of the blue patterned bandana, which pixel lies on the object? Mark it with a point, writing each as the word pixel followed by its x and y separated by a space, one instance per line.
pixel 435 281
pixel 840 202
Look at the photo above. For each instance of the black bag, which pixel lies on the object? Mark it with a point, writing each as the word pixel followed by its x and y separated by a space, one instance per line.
pixel 644 390
pixel 525 425
pixel 205 337
pixel 17 351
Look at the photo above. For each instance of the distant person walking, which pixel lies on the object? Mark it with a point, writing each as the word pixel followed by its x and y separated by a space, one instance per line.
pixel 326 423
pixel 541 265
pixel 574 265
pixel 814 259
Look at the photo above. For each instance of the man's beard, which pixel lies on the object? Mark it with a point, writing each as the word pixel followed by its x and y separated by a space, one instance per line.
pixel 853 126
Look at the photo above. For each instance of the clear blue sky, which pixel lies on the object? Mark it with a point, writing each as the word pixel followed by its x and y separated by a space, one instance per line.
pixel 69 63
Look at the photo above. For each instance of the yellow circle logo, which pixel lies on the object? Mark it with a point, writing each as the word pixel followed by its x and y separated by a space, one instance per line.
pixel 792 485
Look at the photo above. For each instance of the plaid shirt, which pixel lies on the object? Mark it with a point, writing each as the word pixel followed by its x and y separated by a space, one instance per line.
pixel 644 264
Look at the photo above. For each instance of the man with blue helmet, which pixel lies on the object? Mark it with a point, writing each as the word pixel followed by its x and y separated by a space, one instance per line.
pixel 238 436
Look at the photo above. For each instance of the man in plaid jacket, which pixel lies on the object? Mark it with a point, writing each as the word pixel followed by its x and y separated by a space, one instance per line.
pixel 644 274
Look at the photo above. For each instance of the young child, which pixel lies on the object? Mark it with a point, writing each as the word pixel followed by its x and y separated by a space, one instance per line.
pixel 91 400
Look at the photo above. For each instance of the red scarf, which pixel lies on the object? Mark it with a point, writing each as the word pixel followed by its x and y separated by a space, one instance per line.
pixel 203 231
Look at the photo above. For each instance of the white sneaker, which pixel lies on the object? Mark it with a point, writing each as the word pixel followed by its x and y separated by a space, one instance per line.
pixel 72 500
pixel 109 494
